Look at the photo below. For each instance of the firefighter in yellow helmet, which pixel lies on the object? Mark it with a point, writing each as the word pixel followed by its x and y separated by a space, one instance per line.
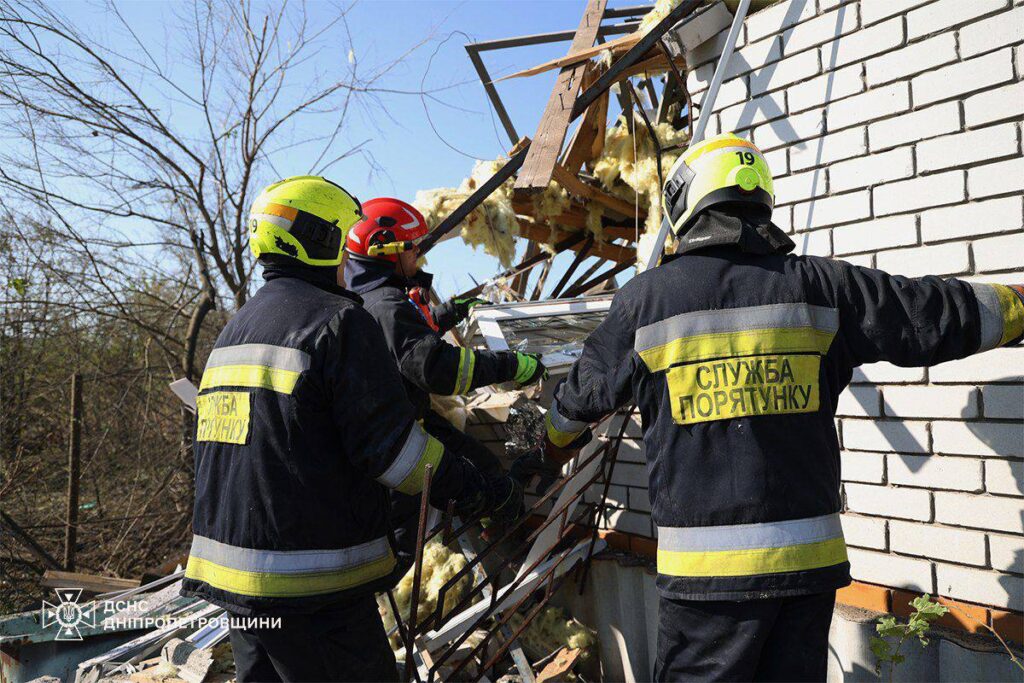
pixel 303 428
pixel 736 353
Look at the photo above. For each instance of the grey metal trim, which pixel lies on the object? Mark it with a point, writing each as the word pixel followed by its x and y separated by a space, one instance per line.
pixel 991 315
pixel 289 561
pixel 407 459
pixel 707 106
pixel 771 316
pixel 750 536
pixel 277 357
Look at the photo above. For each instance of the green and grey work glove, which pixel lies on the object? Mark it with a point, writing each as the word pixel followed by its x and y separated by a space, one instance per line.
pixel 529 369
pixel 454 311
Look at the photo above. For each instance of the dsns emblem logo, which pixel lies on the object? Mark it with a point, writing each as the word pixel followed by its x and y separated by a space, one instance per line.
pixel 67 614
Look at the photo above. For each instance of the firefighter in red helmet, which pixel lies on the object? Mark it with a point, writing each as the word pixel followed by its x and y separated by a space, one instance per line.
pixel 382 268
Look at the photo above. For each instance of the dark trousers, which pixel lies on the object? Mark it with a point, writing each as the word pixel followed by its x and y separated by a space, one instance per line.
pixel 775 639
pixel 344 643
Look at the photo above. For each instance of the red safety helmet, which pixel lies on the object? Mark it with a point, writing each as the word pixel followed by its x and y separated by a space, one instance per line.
pixel 391 226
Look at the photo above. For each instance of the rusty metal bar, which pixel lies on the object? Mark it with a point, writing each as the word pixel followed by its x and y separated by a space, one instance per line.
pixel 399 622
pixel 512 610
pixel 510 588
pixel 417 575
pixel 614 457
pixel 464 602
pixel 485 78
pixel 560 36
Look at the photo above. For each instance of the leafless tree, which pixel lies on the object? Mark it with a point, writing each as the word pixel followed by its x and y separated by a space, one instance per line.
pixel 147 161
pixel 126 169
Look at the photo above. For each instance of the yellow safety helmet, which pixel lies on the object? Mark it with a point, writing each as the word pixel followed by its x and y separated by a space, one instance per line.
pixel 724 168
pixel 305 218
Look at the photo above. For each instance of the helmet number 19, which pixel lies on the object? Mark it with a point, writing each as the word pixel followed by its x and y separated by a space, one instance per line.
pixel 746 158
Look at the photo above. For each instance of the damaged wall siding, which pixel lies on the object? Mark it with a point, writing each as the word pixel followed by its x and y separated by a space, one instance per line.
pixel 893 129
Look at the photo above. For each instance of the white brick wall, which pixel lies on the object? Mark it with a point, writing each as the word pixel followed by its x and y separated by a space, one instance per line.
pixel 894 130
pixel 938 542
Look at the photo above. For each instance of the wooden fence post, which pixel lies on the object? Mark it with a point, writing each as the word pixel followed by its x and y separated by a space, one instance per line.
pixel 74 471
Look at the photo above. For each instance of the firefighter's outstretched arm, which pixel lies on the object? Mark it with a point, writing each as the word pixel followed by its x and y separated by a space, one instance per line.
pixel 598 383
pixel 919 321
pixel 437 367
pixel 378 430
pixel 375 420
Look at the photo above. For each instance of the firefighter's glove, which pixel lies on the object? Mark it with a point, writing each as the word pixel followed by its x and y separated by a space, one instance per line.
pixel 529 369
pixel 563 454
pixel 1019 291
pixel 535 464
pixel 454 311
pixel 505 499
pixel 473 500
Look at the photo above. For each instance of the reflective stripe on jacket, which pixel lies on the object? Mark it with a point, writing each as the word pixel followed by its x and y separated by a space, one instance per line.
pixel 736 362
pixel 302 426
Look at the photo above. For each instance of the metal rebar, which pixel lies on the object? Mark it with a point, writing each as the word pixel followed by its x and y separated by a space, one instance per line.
pixel 417 574
pixel 492 92
pixel 514 585
pixel 614 457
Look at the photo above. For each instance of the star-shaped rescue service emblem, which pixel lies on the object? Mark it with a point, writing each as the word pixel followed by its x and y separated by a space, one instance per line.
pixel 67 614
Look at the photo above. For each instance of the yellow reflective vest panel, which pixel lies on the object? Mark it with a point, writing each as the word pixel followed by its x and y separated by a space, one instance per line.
pixel 736 362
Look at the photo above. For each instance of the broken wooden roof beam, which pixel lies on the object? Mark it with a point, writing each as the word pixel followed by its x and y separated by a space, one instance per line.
pixel 539 165
pixel 532 230
pixel 600 86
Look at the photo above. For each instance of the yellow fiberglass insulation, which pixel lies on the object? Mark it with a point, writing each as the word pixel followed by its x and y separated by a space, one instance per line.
pixel 628 166
pixel 552 202
pixel 440 565
pixel 553 629
pixel 491 225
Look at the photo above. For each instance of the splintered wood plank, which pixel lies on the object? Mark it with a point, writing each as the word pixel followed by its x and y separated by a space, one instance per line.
pixel 617 47
pixel 90 583
pixel 547 143
pixel 582 144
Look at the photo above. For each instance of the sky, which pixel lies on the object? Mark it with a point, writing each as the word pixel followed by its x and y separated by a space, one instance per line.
pixel 417 149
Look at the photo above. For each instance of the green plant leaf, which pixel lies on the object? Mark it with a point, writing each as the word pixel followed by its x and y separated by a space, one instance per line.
pixel 880 648
pixel 19 285
pixel 888 626
pixel 927 608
